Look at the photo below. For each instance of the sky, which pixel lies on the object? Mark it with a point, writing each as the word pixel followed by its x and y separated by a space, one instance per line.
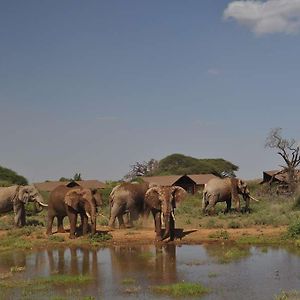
pixel 94 86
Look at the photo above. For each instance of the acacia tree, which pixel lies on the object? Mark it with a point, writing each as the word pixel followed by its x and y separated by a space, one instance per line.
pixel 288 149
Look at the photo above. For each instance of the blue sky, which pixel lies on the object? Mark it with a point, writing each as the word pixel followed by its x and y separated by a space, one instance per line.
pixel 94 86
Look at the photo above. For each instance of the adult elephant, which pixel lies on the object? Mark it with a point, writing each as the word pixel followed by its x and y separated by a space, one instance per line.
pixel 15 197
pixel 127 198
pixel 58 208
pixel 225 190
pixel 80 201
pixel 162 202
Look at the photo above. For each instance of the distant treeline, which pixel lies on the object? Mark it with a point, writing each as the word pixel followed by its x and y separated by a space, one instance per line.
pixel 9 177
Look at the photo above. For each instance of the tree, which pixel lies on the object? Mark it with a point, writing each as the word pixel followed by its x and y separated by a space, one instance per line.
pixel 145 168
pixel 10 177
pixel 77 177
pixel 288 149
pixel 179 164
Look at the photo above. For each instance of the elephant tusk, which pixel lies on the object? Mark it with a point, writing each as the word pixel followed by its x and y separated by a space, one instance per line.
pixel 42 204
pixel 253 198
pixel 88 215
pixel 173 215
pixel 162 219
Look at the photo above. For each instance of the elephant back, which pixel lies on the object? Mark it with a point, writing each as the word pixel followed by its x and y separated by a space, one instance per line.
pixel 218 185
pixel 57 196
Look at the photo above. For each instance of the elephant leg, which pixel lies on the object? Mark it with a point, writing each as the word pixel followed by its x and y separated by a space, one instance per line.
pixel 211 205
pixel 84 222
pixel 157 224
pixel 23 216
pixel 60 225
pixel 205 202
pixel 73 222
pixel 228 206
pixel 19 212
pixel 247 207
pixel 127 219
pixel 238 206
pixel 121 221
pixel 172 228
pixel 49 224
pixel 114 212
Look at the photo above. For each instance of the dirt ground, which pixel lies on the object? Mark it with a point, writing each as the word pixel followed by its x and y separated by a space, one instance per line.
pixel 190 236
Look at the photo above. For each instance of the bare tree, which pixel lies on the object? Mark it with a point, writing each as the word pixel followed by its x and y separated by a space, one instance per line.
pixel 288 149
pixel 145 168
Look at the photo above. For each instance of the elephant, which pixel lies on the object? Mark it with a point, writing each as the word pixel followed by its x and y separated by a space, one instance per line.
pixel 15 197
pixel 127 198
pixel 225 190
pixel 162 201
pixel 80 201
pixel 58 208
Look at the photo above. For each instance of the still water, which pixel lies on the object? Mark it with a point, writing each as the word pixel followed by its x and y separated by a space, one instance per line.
pixel 119 272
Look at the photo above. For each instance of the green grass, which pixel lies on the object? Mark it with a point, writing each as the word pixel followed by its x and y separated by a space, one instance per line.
pixel 220 235
pixel 182 289
pixel 290 295
pixel 272 210
pixel 100 238
pixel 234 254
pixel 56 238
pixel 43 282
pixel 128 281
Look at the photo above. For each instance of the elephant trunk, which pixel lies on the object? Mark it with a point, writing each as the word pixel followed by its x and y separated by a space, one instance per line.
pixel 167 215
pixel 39 199
pixel 93 220
pixel 90 212
pixel 166 218
pixel 38 208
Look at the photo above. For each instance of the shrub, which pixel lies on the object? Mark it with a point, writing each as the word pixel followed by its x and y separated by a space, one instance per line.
pixel 234 224
pixel 294 229
pixel 220 234
pixel 297 202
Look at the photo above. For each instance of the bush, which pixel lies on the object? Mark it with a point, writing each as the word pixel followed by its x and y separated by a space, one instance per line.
pixel 297 202
pixel 294 229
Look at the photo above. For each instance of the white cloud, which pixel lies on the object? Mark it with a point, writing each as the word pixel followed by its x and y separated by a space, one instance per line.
pixel 263 17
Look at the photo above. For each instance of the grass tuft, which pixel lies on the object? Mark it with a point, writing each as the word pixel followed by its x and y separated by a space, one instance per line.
pixel 182 289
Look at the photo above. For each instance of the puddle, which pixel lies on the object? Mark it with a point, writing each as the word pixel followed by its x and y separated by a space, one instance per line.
pixel 229 272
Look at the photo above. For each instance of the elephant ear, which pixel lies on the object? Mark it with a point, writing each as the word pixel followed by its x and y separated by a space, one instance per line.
pixel 242 186
pixel 72 198
pixel 179 194
pixel 23 194
pixel 87 195
pixel 234 187
pixel 152 197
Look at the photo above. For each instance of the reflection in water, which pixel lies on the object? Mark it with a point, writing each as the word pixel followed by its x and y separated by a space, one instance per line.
pixel 156 263
pixel 250 273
